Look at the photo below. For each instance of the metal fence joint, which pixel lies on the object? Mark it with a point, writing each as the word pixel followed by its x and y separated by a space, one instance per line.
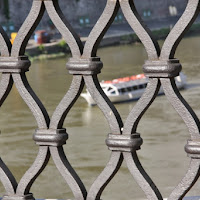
pixel 124 143
pixel 50 137
pixel 162 68
pixel 82 66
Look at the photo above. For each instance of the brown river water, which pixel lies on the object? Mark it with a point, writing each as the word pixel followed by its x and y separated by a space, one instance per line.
pixel 164 133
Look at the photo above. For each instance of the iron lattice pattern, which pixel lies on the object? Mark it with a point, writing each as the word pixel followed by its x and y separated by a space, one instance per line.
pixel 123 141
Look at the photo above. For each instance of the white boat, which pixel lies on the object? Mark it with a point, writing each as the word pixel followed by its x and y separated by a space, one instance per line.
pixel 128 88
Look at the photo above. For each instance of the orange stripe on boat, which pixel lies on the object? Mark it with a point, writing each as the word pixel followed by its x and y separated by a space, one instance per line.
pixel 126 79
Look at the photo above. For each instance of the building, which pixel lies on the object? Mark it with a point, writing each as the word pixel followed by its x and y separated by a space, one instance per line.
pixel 160 9
pixel 83 13
pixel 4 10
pixel 79 12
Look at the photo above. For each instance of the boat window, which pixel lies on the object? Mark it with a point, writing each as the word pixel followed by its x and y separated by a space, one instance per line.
pixel 123 90
pixel 129 89
pixel 141 86
pixel 110 88
pixel 145 85
pixel 113 92
pixel 120 91
pixel 135 87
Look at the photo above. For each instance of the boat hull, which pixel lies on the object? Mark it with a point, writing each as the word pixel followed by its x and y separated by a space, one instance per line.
pixel 132 95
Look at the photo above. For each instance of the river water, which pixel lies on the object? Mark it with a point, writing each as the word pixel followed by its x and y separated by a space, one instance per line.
pixel 163 131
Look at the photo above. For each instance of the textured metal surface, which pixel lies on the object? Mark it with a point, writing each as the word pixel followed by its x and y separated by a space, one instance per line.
pixel 123 140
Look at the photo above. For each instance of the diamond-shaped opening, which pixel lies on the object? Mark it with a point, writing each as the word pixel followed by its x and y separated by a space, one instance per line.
pixel 162 154
pixel 17 125
pixel 86 149
pixel 160 16
pixel 123 182
pixel 51 185
pixel 50 81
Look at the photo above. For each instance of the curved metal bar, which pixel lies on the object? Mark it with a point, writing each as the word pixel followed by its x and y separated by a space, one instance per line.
pixel 64 28
pixel 7 179
pixel 182 107
pixel 144 34
pixel 115 124
pixel 5 44
pixel 106 176
pixel 175 36
pixel 32 100
pixel 5 86
pixel 141 176
pixel 36 169
pixel 104 104
pixel 130 126
pixel 67 102
pixel 6 176
pixel 100 28
pixel 142 105
pixel 28 28
pixel 188 181
pixel 68 173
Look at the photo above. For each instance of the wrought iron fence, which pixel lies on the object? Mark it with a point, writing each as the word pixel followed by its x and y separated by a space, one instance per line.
pixel 123 141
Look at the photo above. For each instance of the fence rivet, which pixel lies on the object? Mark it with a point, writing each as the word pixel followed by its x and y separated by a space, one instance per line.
pixel 162 68
pixel 192 148
pixel 83 66
pixel 14 64
pixel 50 137
pixel 124 143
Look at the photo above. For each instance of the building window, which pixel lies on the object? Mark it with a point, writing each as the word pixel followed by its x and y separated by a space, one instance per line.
pixel 119 18
pixel 173 11
pixel 147 13
pixel 8 27
pixel 87 21
pixel 84 21
pixel 81 21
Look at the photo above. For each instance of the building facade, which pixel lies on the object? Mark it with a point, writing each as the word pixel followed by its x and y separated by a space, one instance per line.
pixel 83 13
pixel 4 10
pixel 160 9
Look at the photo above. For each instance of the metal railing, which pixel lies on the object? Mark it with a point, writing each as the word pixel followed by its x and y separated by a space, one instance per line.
pixel 123 141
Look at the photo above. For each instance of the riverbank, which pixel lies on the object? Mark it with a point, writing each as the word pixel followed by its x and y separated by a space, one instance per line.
pixel 59 48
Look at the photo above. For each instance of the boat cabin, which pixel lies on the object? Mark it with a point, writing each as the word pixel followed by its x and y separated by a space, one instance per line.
pixel 128 88
pixel 123 88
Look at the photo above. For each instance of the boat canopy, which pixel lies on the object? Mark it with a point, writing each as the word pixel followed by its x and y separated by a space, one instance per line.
pixel 127 84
